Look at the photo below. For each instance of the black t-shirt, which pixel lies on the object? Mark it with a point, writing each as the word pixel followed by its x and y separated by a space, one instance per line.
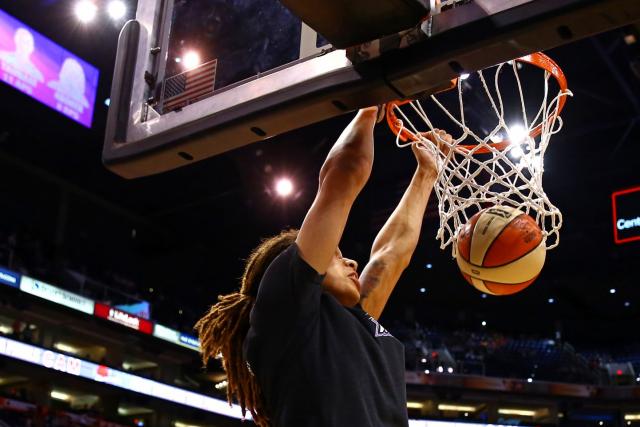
pixel 317 362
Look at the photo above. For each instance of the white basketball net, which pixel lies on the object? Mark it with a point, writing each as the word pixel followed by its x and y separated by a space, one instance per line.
pixel 473 173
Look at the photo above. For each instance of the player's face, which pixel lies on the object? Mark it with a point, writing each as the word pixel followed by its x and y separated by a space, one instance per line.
pixel 341 280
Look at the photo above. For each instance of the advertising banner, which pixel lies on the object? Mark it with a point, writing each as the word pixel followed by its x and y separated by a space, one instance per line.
pixel 123 318
pixel 189 342
pixel 57 295
pixel 626 215
pixel 9 277
pixel 103 374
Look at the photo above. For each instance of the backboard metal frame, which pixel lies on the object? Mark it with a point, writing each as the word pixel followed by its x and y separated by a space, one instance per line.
pixel 139 141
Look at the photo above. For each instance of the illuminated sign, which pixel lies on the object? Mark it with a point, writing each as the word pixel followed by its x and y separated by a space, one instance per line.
pixel 10 278
pixel 429 423
pixel 57 295
pixel 626 215
pixel 123 318
pixel 100 373
pixel 189 341
pixel 38 356
pixel 45 71
pixel 141 309
pixel 104 374
pixel 176 337
pixel 166 334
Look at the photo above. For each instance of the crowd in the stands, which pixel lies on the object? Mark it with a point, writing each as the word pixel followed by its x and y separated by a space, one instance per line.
pixel 19 413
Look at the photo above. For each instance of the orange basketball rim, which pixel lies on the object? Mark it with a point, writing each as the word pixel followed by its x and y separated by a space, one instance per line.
pixel 537 59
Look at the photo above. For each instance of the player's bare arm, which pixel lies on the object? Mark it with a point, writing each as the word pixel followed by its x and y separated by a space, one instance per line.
pixel 393 247
pixel 342 177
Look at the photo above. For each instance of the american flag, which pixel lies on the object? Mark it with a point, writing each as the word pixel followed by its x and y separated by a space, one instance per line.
pixel 183 89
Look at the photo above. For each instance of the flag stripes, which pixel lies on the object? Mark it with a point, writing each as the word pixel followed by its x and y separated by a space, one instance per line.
pixel 183 89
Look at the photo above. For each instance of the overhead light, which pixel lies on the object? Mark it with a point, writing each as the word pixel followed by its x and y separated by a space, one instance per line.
pixel 612 291
pixel 464 76
pixel 128 411
pixel 516 151
pixel 6 330
pixel 284 187
pixel 517 134
pixel 11 380
pixel 117 9
pixel 135 365
pixel 495 138
pixel 521 412
pixel 221 385
pixel 459 408
pixel 415 405
pixel 632 417
pixel 191 60
pixel 450 370
pixel 58 395
pixel 66 348
pixel 484 323
pixel 86 10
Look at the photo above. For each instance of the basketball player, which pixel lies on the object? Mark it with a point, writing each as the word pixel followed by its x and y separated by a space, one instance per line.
pixel 300 340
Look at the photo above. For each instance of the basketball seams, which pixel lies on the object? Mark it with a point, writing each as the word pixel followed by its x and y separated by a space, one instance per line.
pixel 473 232
pixel 466 251
pixel 515 259
pixel 496 237
pixel 489 282
pixel 516 272
pixel 493 221
pixel 520 257
pixel 477 283
pixel 508 288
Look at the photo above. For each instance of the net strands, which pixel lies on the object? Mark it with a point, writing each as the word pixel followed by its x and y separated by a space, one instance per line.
pixel 504 167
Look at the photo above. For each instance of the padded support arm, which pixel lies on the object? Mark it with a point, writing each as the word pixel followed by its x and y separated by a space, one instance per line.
pixel 345 23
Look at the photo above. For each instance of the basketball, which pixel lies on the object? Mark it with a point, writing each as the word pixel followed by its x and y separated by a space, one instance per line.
pixel 500 250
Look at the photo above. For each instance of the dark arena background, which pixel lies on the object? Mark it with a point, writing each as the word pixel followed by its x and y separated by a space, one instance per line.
pixel 103 278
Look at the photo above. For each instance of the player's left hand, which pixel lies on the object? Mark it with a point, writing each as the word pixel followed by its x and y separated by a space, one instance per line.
pixel 425 156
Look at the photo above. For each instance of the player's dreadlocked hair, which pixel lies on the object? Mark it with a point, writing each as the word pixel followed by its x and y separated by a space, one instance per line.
pixel 223 329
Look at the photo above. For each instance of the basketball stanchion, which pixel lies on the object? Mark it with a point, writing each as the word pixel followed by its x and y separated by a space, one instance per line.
pixel 491 163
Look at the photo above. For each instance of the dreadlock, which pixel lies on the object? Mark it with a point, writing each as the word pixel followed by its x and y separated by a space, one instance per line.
pixel 223 329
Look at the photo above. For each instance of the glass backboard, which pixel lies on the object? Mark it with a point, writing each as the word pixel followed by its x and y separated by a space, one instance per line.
pixel 196 78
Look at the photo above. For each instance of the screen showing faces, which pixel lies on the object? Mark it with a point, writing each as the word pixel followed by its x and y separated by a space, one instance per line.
pixel 46 72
